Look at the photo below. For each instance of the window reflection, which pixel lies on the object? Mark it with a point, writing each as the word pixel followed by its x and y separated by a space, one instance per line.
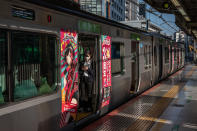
pixel 33 57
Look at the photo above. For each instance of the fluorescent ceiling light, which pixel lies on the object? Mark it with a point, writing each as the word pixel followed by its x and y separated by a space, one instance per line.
pixel 181 10
pixel 176 2
pixel 3 25
pixel 187 18
pixel 189 125
pixel 195 32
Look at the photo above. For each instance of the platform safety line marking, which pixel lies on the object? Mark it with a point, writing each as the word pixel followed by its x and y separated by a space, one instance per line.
pixel 119 109
pixel 155 111
pixel 158 126
pixel 145 118
pixel 161 107
pixel 122 107
pixel 163 103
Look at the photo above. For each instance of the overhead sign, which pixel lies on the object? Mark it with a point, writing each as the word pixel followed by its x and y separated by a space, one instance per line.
pixel 23 13
pixel 142 9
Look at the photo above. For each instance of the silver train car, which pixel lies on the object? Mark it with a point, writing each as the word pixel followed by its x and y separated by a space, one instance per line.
pixel 42 48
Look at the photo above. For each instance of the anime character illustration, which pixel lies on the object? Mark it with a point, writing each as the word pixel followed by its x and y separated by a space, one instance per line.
pixel 69 77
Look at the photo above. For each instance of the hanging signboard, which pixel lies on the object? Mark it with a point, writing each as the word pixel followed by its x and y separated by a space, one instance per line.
pixel 106 68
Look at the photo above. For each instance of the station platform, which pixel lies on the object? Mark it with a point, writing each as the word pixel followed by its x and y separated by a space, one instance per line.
pixel 168 106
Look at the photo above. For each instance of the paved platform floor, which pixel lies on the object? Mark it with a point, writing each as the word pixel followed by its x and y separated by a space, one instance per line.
pixel 168 106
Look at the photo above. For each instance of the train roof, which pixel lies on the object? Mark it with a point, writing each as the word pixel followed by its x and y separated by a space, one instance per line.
pixel 94 17
pixel 87 15
pixel 160 35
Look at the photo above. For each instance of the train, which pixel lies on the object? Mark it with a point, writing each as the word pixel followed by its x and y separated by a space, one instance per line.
pixel 42 46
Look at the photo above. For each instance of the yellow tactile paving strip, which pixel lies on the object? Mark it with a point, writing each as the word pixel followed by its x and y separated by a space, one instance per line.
pixel 158 126
pixel 146 121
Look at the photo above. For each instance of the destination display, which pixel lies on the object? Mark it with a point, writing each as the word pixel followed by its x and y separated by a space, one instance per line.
pixel 23 13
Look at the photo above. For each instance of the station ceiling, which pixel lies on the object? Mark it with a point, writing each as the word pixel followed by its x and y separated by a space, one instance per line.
pixel 184 10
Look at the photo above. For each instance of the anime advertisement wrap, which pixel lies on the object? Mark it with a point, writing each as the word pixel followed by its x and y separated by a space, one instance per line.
pixel 69 76
pixel 106 69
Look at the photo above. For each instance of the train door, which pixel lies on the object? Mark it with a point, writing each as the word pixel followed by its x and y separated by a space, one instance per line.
pixel 88 79
pixel 134 66
pixel 160 61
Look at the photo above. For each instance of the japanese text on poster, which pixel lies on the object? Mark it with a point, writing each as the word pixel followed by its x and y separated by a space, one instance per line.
pixel 106 68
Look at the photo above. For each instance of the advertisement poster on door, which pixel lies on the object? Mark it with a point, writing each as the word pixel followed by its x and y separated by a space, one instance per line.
pixel 69 76
pixel 106 69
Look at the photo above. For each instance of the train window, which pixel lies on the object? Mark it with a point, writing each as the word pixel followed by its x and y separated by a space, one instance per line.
pixel 155 55
pixel 178 55
pixel 182 56
pixel 117 53
pixel 145 56
pixel 166 55
pixel 149 55
pixel 175 54
pixel 33 57
pixel 3 65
